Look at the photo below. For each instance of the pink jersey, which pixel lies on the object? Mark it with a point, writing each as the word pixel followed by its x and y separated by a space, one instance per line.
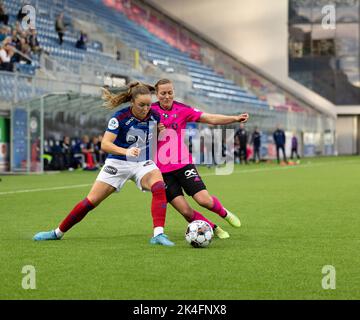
pixel 170 158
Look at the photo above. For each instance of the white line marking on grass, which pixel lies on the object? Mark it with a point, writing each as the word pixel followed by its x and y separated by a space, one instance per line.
pixel 308 165
pixel 279 168
pixel 45 189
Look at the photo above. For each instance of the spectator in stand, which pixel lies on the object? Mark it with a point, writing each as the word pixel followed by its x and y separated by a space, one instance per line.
pixel 280 140
pixel 256 142
pixel 68 154
pixel 294 147
pixel 88 152
pixel 6 54
pixel 118 55
pixel 33 42
pixel 81 43
pixel 4 17
pixel 60 27
pixel 25 51
pixel 18 27
pixel 15 39
pixel 4 33
pixel 79 158
pixel 241 135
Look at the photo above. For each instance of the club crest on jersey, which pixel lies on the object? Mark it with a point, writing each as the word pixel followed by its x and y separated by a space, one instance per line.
pixel 113 124
pixel 165 115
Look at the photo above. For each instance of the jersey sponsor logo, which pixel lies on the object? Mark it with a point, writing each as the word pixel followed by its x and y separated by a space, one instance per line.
pixel 147 163
pixel 110 170
pixel 142 139
pixel 174 126
pixel 190 173
pixel 129 121
pixel 131 139
pixel 113 124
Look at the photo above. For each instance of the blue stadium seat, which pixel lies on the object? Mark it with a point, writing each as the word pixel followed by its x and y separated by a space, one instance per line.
pixel 152 48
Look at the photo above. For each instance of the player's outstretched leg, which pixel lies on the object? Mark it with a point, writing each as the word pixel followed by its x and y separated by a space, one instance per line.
pixel 213 204
pixel 97 194
pixel 158 212
pixel 75 216
pixel 190 215
pixel 220 233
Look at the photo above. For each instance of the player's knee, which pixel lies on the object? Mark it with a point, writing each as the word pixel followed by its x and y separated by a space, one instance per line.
pixel 206 202
pixel 188 213
pixel 158 186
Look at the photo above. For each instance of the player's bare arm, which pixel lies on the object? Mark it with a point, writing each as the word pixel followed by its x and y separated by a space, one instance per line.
pixel 220 119
pixel 108 146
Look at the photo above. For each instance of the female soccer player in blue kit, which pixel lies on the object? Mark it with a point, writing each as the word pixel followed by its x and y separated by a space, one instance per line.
pixel 128 127
pixel 180 173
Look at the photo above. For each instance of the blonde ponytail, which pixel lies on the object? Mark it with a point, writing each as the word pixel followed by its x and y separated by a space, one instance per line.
pixel 132 90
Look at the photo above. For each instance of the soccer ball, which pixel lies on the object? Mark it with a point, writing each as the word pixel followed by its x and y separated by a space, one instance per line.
pixel 199 234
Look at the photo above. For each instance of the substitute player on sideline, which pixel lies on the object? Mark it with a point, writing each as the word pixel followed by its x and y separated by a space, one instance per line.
pixel 182 173
pixel 127 126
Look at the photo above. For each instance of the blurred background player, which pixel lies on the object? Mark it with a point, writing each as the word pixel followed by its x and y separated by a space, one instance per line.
pixel 256 142
pixel 241 135
pixel 280 140
pixel 123 163
pixel 180 173
pixel 294 147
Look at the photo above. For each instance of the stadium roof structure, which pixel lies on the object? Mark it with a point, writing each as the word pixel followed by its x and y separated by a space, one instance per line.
pixel 80 104
pixel 71 102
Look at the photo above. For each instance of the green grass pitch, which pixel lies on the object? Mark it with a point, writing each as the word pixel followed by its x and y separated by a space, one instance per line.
pixel 295 220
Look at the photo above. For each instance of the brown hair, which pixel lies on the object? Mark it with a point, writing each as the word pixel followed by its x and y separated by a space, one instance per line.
pixel 161 82
pixel 129 93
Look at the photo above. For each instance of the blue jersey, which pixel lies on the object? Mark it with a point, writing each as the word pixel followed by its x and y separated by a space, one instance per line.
pixel 133 132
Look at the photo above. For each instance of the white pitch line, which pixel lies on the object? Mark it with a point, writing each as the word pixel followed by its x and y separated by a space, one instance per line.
pixel 279 168
pixel 45 189
pixel 309 165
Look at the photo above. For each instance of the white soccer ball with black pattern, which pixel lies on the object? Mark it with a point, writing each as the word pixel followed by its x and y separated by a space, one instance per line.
pixel 199 234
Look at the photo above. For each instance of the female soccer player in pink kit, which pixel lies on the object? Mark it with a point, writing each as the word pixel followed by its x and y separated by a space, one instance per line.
pixel 128 159
pixel 182 174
